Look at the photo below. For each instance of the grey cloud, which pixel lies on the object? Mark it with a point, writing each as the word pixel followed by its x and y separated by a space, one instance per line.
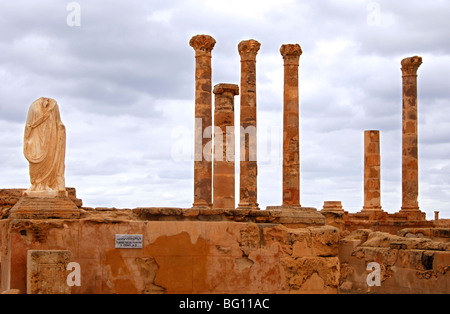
pixel 176 173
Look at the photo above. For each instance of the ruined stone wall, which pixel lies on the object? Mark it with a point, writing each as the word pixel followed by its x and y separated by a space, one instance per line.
pixel 377 221
pixel 231 251
pixel 177 256
pixel 407 264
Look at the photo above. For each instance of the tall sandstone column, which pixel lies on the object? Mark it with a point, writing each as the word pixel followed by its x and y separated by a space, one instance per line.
pixel 410 165
pixel 224 146
pixel 248 49
pixel 291 151
pixel 372 175
pixel 203 45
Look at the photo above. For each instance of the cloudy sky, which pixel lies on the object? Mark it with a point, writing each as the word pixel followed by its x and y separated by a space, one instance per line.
pixel 124 80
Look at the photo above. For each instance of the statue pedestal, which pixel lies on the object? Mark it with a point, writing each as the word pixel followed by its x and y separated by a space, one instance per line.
pixel 45 207
pixel 45 194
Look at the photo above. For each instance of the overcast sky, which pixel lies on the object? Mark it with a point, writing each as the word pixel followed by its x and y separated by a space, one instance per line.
pixel 124 82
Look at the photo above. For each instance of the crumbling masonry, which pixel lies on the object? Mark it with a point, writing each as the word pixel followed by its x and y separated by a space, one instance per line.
pixel 218 246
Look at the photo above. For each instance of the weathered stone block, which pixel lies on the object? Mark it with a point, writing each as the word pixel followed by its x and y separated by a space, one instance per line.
pixel 47 272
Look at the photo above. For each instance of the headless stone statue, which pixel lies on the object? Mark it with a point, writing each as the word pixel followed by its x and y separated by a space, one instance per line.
pixel 44 148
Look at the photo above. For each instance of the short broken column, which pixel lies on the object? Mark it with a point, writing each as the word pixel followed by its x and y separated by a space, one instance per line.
pixel 248 49
pixel 224 146
pixel 203 45
pixel 372 175
pixel 410 163
pixel 291 144
pixel 436 215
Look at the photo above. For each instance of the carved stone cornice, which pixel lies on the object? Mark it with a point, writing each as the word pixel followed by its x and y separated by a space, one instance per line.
pixel 202 44
pixel 411 65
pixel 248 49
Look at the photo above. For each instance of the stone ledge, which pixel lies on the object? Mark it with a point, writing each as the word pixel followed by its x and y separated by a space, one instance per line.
pixel 293 217
pixel 297 216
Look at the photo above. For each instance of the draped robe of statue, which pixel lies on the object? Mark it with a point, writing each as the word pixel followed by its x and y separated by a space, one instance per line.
pixel 44 148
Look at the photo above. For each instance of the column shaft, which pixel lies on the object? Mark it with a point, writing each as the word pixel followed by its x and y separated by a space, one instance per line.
pixel 203 45
pixel 224 146
pixel 291 145
pixel 372 175
pixel 248 50
pixel 410 164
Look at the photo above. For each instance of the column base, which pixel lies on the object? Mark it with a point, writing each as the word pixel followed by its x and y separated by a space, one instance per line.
pixel 372 209
pixel 332 206
pixel 410 209
pixel 248 206
pixel 412 213
pixel 201 205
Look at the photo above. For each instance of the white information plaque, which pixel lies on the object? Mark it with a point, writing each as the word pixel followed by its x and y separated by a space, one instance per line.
pixel 128 241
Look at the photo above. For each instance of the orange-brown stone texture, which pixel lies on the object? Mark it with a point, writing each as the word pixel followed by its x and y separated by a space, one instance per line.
pixel 248 191
pixel 177 256
pixel 291 142
pixel 203 46
pixel 410 172
pixel 409 263
pixel 372 171
pixel 224 146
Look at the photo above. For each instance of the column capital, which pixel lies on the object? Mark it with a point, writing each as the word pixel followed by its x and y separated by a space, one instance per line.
pixel 411 65
pixel 291 53
pixel 248 49
pixel 224 87
pixel 202 44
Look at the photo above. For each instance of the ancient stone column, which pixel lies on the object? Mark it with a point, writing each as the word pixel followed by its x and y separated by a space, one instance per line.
pixel 248 49
pixel 224 150
pixel 436 215
pixel 410 179
pixel 372 182
pixel 291 151
pixel 203 45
